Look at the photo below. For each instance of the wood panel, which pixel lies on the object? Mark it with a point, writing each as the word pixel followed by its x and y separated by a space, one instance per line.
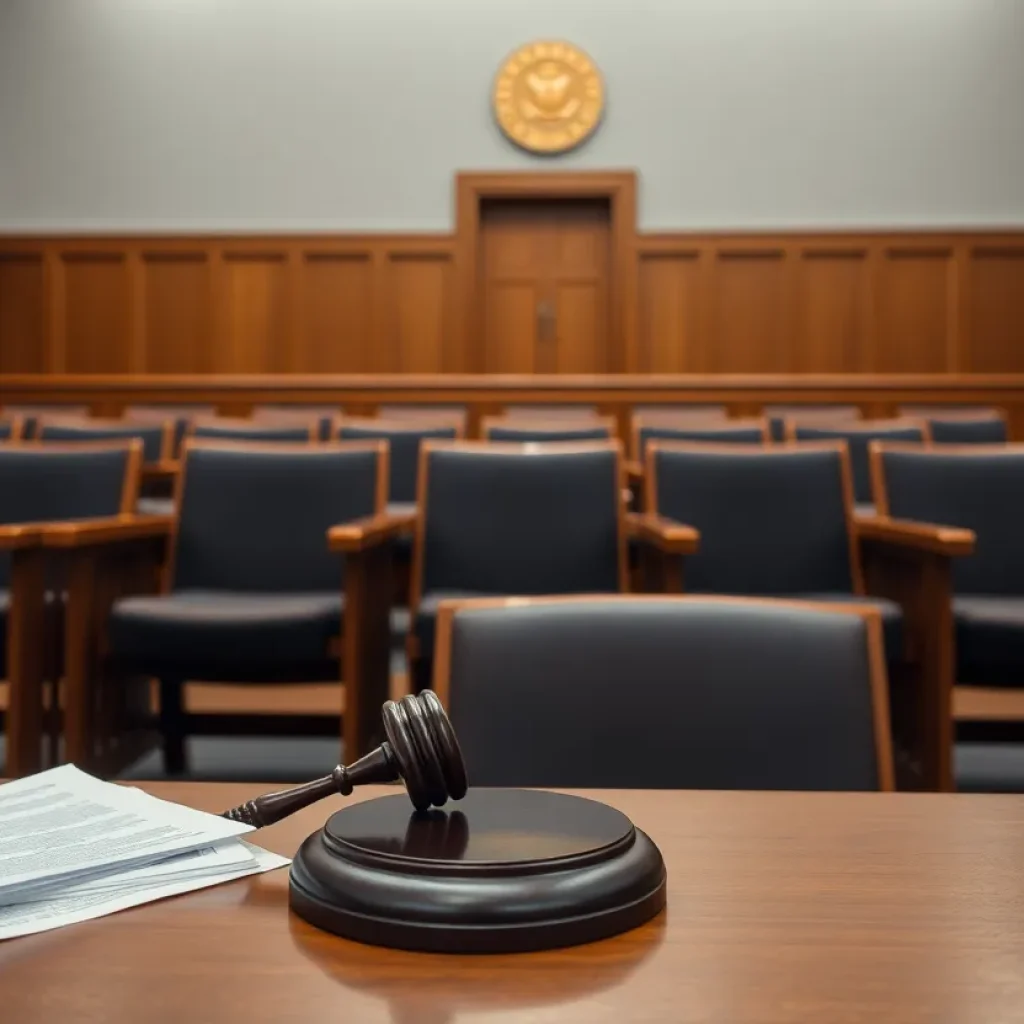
pixel 833 322
pixel 22 312
pixel 751 312
pixel 670 302
pixel 177 314
pixel 336 312
pixel 254 334
pixel 97 312
pixel 916 319
pixel 996 318
pixel 416 312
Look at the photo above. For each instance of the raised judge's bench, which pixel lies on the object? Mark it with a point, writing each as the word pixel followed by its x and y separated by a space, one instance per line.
pixel 877 396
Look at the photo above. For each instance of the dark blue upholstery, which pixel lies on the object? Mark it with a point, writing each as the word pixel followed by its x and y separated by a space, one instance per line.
pixel 256 593
pixel 6 429
pixel 772 523
pixel 180 415
pixel 723 433
pixel 527 432
pixel 657 694
pixel 984 430
pixel 151 435
pixel 506 522
pixel 858 439
pixel 31 414
pixel 251 432
pixel 983 492
pixel 403 449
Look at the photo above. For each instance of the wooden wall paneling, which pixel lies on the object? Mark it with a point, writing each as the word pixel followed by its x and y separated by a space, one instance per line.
pixel 995 318
pixel 417 310
pixel 255 331
pixel 833 309
pixel 96 327
pixel 751 323
pixel 336 309
pixel 177 311
pixel 916 315
pixel 671 300
pixel 23 308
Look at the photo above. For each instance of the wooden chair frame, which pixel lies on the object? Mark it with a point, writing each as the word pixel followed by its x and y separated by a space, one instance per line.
pixel 555 425
pixel 242 425
pixel 871 617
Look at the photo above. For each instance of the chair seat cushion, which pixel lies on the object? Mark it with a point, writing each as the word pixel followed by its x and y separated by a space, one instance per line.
pixel 989 639
pixel 892 616
pixel 227 635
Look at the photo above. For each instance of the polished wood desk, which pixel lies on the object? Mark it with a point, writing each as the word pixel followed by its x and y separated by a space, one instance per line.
pixel 782 907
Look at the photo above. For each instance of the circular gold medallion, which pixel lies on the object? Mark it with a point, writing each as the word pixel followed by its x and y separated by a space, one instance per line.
pixel 548 97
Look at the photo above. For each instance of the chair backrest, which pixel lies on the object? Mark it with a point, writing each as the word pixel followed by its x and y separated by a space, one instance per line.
pixel 752 431
pixel 11 428
pixel 962 424
pixel 772 520
pixel 180 415
pixel 157 438
pixel 30 414
pixel 858 436
pixel 975 487
pixel 299 415
pixel 254 517
pixel 231 429
pixel 444 415
pixel 404 438
pixel 551 412
pixel 662 692
pixel 41 484
pixel 815 414
pixel 522 431
pixel 520 519
pixel 682 412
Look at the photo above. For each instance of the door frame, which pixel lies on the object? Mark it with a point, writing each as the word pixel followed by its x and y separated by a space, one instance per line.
pixel 617 187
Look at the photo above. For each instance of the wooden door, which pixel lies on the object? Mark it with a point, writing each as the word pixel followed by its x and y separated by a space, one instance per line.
pixel 544 280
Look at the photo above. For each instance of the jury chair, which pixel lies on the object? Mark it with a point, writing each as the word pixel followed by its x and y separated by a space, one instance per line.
pixel 666 693
pixel 30 415
pixel 41 487
pixel 778 414
pixel 257 588
pixel 437 414
pixel 953 424
pixel 682 412
pixel 778 521
pixel 180 415
pixel 292 415
pixel 11 428
pixel 229 428
pixel 979 488
pixel 523 430
pixel 513 519
pixel 551 412
pixel 857 436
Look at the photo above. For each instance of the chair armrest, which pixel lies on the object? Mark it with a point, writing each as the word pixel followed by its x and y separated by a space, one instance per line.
pixel 112 530
pixel 665 534
pixel 25 535
pixel 165 469
pixel 634 472
pixel 362 534
pixel 952 541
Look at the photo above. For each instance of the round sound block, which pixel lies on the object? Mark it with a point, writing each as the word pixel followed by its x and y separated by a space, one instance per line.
pixel 504 870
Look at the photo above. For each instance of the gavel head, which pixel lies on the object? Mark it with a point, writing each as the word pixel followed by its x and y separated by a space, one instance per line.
pixel 426 754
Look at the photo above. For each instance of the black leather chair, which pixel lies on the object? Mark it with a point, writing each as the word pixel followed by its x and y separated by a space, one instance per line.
pixel 778 521
pixel 524 430
pixel 981 489
pixel 962 424
pixel 11 428
pixel 157 438
pixel 31 414
pixel 667 693
pixel 513 519
pixel 858 436
pixel 777 416
pixel 255 592
pixel 231 429
pixel 46 485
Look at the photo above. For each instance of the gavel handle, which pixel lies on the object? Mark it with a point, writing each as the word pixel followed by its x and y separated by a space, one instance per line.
pixel 272 807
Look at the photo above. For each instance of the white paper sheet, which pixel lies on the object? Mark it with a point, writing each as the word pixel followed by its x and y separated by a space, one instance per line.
pixel 84 903
pixel 63 826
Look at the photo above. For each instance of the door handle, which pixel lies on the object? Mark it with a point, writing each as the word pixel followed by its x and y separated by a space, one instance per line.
pixel 546 321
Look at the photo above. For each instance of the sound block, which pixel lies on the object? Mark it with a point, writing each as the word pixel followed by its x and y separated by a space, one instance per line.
pixel 504 870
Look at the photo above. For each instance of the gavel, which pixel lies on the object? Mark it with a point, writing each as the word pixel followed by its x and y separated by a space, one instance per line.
pixel 421 749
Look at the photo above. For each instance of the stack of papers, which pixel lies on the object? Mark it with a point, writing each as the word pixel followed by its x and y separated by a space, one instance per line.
pixel 73 848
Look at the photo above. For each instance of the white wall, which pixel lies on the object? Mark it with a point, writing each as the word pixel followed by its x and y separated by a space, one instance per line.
pixel 354 114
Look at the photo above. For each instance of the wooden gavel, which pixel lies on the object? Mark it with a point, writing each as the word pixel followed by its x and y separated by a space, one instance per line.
pixel 421 749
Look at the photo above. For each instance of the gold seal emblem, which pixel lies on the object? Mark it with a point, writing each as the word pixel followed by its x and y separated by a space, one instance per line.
pixel 548 97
